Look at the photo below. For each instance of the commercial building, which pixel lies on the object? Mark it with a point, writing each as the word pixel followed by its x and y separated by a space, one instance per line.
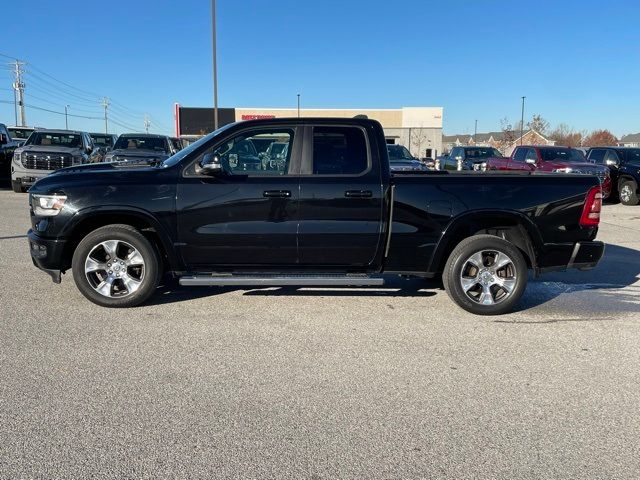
pixel 417 128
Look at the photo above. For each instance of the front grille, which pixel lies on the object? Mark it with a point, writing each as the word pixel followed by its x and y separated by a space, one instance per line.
pixel 46 161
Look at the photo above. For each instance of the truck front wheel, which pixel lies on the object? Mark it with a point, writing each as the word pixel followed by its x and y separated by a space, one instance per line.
pixel 116 266
pixel 485 275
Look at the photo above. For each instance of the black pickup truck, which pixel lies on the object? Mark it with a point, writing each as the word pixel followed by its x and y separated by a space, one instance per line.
pixel 332 214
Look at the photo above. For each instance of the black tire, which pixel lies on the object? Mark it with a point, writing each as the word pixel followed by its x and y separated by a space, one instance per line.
pixel 459 263
pixel 17 187
pixel 126 236
pixel 628 193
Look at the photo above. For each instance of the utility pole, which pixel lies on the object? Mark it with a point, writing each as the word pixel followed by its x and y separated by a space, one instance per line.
pixel 66 121
pixel 215 65
pixel 15 107
pixel 18 89
pixel 298 105
pixel 147 123
pixel 475 134
pixel 105 104
pixel 522 122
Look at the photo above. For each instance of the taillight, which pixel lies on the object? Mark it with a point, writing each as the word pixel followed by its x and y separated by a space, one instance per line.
pixel 592 208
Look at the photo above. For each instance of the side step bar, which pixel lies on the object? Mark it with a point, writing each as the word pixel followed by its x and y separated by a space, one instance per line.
pixel 281 280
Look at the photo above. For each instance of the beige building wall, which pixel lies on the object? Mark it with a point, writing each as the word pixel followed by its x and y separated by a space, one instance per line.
pixel 417 128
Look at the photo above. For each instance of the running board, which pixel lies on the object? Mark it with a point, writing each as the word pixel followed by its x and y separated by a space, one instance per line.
pixel 282 280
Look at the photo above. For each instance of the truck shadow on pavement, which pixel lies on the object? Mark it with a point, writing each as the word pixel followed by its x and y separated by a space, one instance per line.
pixel 171 292
pixel 612 281
pixel 618 270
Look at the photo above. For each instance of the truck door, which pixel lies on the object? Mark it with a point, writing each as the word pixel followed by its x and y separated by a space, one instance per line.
pixel 519 157
pixel 341 198
pixel 248 216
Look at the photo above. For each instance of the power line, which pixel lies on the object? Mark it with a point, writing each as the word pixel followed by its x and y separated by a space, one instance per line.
pixel 53 111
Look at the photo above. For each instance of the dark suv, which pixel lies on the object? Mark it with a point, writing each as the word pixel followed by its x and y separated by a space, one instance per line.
pixel 46 151
pixel 624 165
pixel 468 158
pixel 141 149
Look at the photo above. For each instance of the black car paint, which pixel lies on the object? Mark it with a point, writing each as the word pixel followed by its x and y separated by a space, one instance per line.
pixel 325 223
pixel 626 169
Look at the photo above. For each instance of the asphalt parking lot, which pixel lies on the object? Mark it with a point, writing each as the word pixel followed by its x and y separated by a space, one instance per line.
pixel 321 383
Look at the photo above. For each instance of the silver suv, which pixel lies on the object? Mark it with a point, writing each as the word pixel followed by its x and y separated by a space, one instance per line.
pixel 46 151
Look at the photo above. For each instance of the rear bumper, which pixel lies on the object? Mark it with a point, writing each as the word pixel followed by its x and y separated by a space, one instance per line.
pixel 561 256
pixel 47 254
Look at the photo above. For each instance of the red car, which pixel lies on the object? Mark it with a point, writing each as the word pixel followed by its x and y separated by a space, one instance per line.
pixel 543 158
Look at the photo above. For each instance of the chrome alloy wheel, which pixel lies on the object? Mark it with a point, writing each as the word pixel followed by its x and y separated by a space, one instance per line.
pixel 488 277
pixel 114 268
pixel 625 193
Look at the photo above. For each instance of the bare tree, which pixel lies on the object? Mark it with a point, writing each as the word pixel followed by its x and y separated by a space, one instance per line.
pixel 418 141
pixel 563 134
pixel 538 124
pixel 508 136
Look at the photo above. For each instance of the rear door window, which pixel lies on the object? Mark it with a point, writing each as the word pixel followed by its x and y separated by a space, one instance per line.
pixel 597 156
pixel 339 151
pixel 520 154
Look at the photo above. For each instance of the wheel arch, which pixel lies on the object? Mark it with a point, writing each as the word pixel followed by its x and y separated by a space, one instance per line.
pixel 88 220
pixel 513 226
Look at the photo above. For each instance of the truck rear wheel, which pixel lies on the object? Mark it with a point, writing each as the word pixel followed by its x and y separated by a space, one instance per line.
pixel 485 275
pixel 628 193
pixel 116 266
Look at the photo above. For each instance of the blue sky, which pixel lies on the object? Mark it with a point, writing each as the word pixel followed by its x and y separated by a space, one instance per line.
pixel 578 62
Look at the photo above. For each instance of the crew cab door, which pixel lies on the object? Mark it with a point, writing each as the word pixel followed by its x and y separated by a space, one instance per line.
pixel 519 159
pixel 341 199
pixel 245 217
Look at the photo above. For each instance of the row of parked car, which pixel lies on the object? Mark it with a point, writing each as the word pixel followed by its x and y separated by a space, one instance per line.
pixel 618 168
pixel 28 154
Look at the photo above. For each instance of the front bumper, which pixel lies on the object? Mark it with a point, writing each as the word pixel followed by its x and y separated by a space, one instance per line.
pixel 47 254
pixel 25 176
pixel 561 256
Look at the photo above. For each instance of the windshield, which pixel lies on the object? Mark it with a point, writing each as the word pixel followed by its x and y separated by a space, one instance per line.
pixel 157 144
pixel 102 140
pixel 177 158
pixel 398 152
pixel 48 139
pixel 21 133
pixel 562 155
pixel 484 152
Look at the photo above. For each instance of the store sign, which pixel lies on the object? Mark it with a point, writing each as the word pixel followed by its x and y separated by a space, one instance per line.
pixel 256 117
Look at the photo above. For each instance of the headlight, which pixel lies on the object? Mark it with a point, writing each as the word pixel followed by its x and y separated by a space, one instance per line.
pixel 17 157
pixel 563 170
pixel 108 158
pixel 47 205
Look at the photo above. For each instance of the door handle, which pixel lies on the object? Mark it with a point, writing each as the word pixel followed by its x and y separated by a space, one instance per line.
pixel 276 193
pixel 358 194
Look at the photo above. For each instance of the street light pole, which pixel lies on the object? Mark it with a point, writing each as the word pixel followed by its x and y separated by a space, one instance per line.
pixel 66 121
pixel 298 105
pixel 522 121
pixel 215 65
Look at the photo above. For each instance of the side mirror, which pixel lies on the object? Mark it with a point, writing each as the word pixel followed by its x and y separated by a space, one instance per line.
pixel 3 139
pixel 210 165
pixel 530 161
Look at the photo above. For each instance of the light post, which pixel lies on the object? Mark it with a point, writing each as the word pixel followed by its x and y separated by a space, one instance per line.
pixel 522 121
pixel 66 121
pixel 298 105
pixel 475 134
pixel 215 65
